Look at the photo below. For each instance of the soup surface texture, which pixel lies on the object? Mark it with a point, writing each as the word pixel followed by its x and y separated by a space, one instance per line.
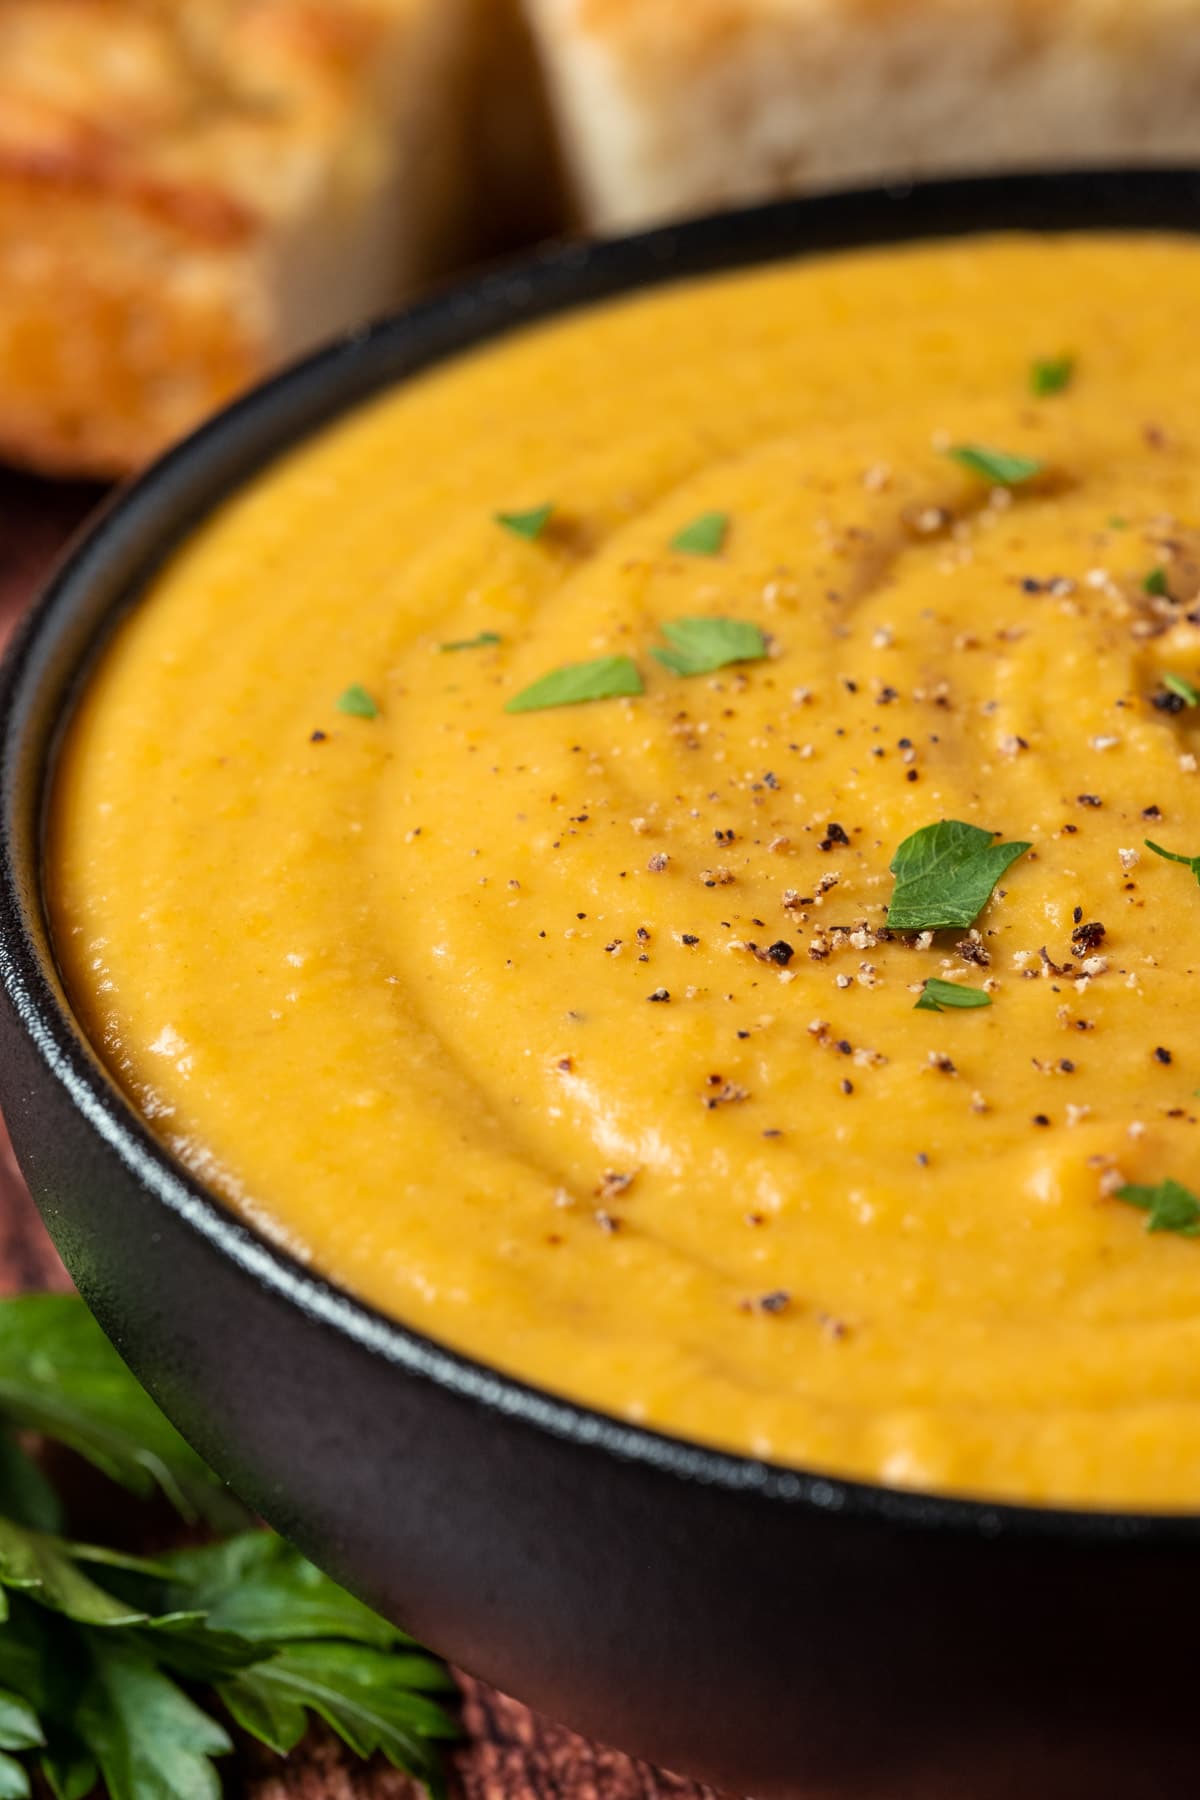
pixel 575 1035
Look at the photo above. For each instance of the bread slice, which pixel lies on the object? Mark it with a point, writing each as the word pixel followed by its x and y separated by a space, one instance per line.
pixel 192 191
pixel 669 107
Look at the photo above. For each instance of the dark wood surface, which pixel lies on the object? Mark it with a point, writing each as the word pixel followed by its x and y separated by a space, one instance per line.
pixel 508 1752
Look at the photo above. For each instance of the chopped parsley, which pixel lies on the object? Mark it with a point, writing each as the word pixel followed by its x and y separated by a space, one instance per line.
pixel 529 525
pixel 703 536
pixel 1003 467
pixel 478 642
pixel 698 646
pixel 936 995
pixel 1170 1205
pixel 1051 374
pixel 1179 684
pixel 1189 862
pixel 357 702
pixel 1156 582
pixel 607 678
pixel 945 874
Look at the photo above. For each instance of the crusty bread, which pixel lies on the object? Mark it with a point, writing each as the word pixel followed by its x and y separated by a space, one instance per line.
pixel 668 107
pixel 194 190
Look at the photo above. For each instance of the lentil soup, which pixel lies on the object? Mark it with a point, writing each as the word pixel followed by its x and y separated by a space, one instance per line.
pixel 661 854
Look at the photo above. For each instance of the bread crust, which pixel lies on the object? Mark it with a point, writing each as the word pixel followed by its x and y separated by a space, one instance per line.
pixel 668 108
pixel 190 190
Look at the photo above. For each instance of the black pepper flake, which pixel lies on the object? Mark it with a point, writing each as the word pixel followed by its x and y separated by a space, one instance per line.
pixel 726 836
pixel 1089 800
pixel 770 780
pixel 776 1302
pixel 772 1131
pixel 643 936
pixel 658 862
pixel 1161 1055
pixel 607 1221
pixel 659 994
pixel 1088 937
pixel 1166 702
pixel 317 737
pixel 1151 812
pixel 847 1087
pixel 1077 914
pixel 912 775
pixel 688 937
pixel 1040 1119
pixel 780 952
pixel 845 1046
pixel 834 834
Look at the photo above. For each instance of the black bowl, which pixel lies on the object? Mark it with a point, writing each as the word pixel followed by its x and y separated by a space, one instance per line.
pixel 775 1631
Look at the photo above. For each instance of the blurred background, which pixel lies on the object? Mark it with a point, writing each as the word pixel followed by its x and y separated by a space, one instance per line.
pixel 192 191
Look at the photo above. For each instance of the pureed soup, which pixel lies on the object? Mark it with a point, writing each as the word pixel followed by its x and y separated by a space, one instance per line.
pixel 660 854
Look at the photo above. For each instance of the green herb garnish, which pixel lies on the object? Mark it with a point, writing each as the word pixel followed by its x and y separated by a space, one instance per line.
pixel 1170 1205
pixel 937 994
pixel 108 1662
pixel 703 536
pixel 1000 466
pixel 1189 862
pixel 1179 684
pixel 1155 582
pixel 1051 374
pixel 479 642
pixel 357 702
pixel 945 874
pixel 607 678
pixel 1116 523
pixel 698 646
pixel 528 525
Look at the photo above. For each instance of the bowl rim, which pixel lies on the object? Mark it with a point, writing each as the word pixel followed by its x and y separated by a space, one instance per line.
pixel 122 546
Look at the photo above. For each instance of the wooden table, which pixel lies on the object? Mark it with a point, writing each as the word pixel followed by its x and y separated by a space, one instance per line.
pixel 509 1752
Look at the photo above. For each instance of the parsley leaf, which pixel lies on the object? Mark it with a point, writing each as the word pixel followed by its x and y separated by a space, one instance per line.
pixel 1051 374
pixel 478 642
pixel 529 525
pixel 703 536
pixel 60 1377
pixel 1170 1205
pixel 1179 684
pixel 1000 466
pixel 937 995
pixel 357 702
pixel 698 646
pixel 1189 862
pixel 256 1587
pixel 146 1736
pixel 945 874
pixel 366 1696
pixel 105 1657
pixel 1155 582
pixel 607 678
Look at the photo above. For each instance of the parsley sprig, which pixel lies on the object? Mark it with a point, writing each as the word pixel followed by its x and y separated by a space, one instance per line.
pixel 1169 1206
pixel 1189 862
pixel 110 1663
pixel 945 874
